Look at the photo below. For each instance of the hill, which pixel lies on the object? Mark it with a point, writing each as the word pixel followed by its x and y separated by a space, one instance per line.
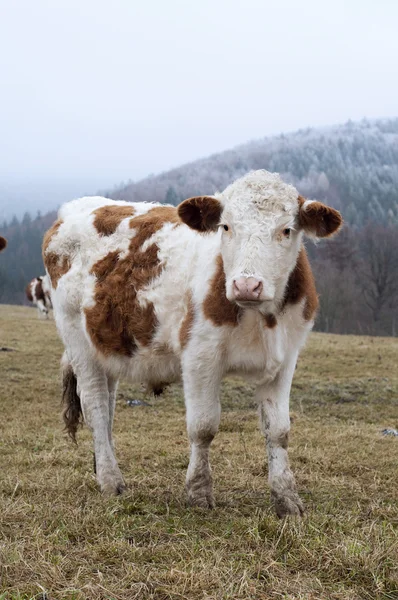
pixel 353 166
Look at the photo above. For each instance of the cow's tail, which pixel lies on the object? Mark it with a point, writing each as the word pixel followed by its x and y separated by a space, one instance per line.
pixel 73 416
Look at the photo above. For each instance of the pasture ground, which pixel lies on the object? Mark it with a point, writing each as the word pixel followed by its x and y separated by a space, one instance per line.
pixel 60 539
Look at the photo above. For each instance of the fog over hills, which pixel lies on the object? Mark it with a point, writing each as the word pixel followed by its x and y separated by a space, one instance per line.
pixel 353 166
pixel 27 195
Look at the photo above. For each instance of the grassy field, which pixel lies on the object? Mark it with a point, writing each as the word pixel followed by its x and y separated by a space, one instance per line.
pixel 60 539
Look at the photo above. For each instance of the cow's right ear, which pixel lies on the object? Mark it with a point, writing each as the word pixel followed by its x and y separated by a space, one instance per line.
pixel 3 243
pixel 202 213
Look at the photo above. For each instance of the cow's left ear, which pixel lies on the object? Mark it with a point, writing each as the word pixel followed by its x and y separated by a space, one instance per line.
pixel 202 213
pixel 317 219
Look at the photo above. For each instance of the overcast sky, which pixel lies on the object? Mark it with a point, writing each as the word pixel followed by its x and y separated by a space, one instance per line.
pixel 93 92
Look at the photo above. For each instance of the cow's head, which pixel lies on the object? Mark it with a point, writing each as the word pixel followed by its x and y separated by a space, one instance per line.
pixel 261 221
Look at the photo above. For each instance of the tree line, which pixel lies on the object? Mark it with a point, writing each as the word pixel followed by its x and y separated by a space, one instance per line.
pixel 357 280
pixel 356 274
pixel 22 261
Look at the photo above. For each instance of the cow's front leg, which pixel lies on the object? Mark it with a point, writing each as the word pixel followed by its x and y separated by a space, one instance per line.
pixel 201 389
pixel 275 423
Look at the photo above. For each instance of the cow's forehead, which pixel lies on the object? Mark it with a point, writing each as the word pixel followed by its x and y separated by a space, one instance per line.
pixel 259 196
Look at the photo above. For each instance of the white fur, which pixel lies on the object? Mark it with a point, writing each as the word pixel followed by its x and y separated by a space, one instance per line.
pixel 257 208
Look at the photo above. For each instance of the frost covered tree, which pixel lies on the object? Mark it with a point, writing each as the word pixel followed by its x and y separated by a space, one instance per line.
pixel 354 167
pixel 171 197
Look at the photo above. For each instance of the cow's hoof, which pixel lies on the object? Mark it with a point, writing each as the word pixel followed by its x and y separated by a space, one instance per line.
pixel 112 484
pixel 199 487
pixel 287 504
pixel 201 500
pixel 116 489
pixel 121 488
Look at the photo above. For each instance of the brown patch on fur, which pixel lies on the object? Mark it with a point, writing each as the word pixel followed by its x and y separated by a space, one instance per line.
pixel 117 322
pixel 270 321
pixel 216 305
pixel 3 243
pixel 73 416
pixel 154 220
pixel 49 235
pixel 186 325
pixel 108 218
pixel 55 264
pixel 39 292
pixel 301 201
pixel 201 213
pixel 319 219
pixel 301 284
pixel 29 292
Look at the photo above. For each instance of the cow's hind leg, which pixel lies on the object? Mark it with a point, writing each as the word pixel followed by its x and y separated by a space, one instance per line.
pixel 275 423
pixel 201 390
pixel 112 391
pixel 87 390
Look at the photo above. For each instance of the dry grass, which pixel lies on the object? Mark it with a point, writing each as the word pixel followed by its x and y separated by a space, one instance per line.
pixel 59 539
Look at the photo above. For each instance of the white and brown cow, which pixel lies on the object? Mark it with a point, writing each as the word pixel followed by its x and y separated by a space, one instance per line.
pixel 220 285
pixel 38 291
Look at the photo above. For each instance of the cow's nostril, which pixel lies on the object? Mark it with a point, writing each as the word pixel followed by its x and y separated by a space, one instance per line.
pixel 257 289
pixel 240 284
pixel 254 286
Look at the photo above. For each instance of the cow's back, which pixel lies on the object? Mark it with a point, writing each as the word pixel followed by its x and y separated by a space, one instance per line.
pixel 80 237
pixel 127 269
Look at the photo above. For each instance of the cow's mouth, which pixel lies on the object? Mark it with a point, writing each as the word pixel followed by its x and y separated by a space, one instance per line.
pixel 249 303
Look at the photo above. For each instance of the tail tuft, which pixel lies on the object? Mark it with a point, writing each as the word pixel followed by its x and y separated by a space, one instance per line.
pixel 73 416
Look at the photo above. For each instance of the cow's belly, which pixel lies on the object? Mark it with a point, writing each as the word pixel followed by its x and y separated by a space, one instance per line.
pixel 249 362
pixel 153 366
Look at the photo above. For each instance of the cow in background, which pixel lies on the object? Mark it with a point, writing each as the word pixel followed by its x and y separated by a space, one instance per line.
pixel 220 285
pixel 3 243
pixel 38 292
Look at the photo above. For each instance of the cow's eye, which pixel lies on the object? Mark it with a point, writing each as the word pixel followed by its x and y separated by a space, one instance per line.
pixel 226 227
pixel 286 232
